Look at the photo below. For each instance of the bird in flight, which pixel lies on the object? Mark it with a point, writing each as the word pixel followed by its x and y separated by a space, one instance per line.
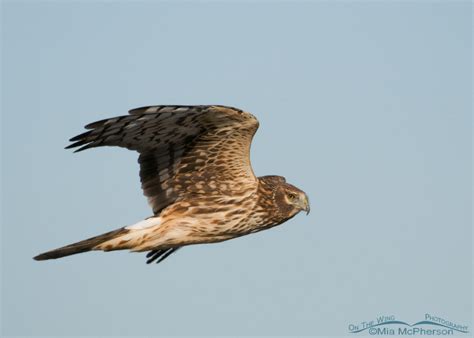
pixel 195 171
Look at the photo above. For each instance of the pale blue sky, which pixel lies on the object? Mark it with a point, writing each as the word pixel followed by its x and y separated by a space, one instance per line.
pixel 364 105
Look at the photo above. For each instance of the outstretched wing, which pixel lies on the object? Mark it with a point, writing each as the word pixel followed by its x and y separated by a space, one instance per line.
pixel 184 150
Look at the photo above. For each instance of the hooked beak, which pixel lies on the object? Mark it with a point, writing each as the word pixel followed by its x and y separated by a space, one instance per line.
pixel 305 204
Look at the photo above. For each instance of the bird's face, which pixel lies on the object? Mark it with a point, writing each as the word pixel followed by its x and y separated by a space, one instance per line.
pixel 294 199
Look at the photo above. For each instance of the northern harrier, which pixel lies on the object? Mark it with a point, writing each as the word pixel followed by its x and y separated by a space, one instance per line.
pixel 195 171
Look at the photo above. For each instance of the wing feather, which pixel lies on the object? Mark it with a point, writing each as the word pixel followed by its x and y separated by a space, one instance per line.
pixel 184 150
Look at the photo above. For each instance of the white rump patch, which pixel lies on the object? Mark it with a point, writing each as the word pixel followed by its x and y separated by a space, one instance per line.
pixel 146 223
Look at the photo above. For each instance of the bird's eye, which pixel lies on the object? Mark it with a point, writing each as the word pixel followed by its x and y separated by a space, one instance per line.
pixel 291 196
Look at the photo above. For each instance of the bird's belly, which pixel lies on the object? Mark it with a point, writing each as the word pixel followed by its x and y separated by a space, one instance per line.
pixel 200 223
pixel 225 228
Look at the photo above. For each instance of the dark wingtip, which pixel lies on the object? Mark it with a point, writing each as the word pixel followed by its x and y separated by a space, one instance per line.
pixel 159 255
pixel 78 144
pixel 75 151
pixel 74 145
pixel 80 136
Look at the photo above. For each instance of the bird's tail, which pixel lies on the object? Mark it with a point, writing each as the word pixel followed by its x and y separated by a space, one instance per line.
pixel 93 243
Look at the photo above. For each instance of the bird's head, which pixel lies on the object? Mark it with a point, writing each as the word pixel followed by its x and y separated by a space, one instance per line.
pixel 292 199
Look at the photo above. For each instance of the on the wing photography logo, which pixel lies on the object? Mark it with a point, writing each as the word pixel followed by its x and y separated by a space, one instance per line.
pixel 431 325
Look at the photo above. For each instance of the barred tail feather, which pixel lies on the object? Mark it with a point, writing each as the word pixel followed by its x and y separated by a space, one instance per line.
pixel 83 246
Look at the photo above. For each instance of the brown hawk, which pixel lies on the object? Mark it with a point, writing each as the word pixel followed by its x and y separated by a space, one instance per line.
pixel 195 171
